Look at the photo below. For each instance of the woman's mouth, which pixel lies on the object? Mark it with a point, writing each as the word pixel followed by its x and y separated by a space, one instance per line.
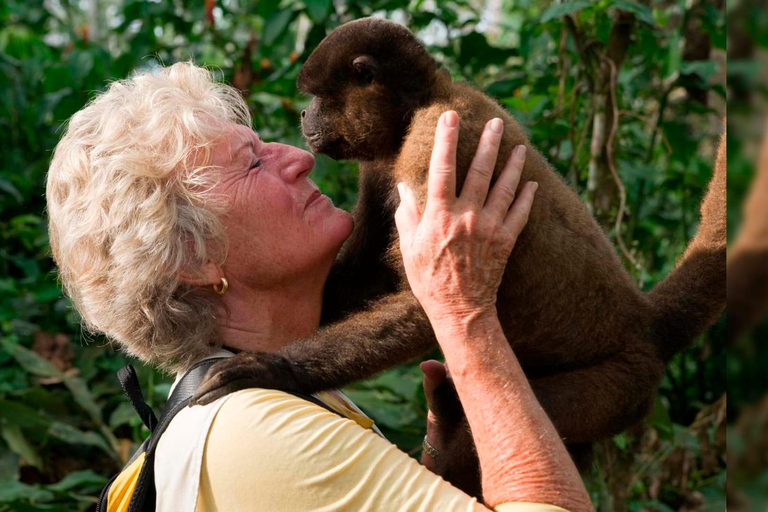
pixel 313 197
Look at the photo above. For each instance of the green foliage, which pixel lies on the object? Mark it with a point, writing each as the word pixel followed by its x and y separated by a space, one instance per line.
pixel 64 422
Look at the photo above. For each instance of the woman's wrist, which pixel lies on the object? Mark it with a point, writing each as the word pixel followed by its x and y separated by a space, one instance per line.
pixel 466 326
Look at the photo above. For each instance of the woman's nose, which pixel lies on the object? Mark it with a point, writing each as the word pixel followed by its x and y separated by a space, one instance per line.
pixel 294 163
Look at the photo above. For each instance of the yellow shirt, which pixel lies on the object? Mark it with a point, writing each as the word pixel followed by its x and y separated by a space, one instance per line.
pixel 271 451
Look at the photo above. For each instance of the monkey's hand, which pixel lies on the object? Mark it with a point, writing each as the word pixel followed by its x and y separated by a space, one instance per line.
pixel 448 433
pixel 245 370
pixel 444 412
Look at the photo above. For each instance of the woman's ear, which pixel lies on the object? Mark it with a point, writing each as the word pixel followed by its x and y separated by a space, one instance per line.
pixel 210 274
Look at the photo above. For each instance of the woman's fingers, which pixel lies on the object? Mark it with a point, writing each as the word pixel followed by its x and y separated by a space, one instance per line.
pixel 475 187
pixel 503 191
pixel 517 217
pixel 442 167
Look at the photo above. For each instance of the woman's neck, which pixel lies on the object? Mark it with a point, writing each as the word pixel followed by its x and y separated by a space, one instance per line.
pixel 267 320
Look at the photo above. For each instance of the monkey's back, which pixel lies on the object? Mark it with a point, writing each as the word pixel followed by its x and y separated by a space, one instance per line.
pixel 566 300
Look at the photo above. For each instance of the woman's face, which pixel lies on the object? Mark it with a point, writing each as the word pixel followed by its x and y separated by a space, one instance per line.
pixel 279 226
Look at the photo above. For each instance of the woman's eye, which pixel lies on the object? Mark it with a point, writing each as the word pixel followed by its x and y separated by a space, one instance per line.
pixel 255 165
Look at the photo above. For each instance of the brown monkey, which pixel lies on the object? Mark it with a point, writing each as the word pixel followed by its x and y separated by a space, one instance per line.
pixel 593 346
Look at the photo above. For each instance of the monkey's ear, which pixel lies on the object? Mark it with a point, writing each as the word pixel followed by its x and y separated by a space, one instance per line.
pixel 366 68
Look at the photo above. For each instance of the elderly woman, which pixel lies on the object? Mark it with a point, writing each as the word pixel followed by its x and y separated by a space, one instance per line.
pixel 178 231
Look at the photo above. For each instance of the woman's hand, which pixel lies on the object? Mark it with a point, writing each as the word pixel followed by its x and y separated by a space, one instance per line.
pixel 455 253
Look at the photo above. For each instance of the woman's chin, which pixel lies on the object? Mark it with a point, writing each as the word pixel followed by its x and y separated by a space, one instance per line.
pixel 343 224
pixel 333 224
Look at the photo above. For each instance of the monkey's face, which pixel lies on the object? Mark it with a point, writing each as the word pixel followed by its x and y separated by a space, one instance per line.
pixel 361 119
pixel 366 78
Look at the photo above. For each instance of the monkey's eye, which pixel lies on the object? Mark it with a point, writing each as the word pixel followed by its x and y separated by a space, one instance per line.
pixel 255 165
pixel 366 69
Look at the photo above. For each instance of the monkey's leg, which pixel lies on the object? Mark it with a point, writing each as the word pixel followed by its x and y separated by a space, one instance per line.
pixel 391 331
pixel 596 402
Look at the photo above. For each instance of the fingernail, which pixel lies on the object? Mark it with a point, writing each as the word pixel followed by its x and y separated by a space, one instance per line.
pixel 400 190
pixel 450 118
pixel 535 186
pixel 520 151
pixel 497 125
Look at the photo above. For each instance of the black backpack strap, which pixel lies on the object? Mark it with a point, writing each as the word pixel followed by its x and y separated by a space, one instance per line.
pixel 130 383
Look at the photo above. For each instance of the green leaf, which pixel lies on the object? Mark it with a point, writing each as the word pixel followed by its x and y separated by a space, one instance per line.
pixel 507 87
pixel 318 9
pixel 123 415
pixel 80 64
pixel 641 12
pixel 675 56
pixel 30 361
pixel 47 292
pixel 559 10
pixel 276 24
pixel 78 479
pixel 72 435
pixel 37 365
pixel 15 413
pixel 9 465
pixel 7 187
pixel 704 68
pixel 19 444
pixel 12 490
pixel 84 397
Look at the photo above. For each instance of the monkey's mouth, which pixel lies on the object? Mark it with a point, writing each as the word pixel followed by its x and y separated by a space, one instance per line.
pixel 314 140
pixel 320 143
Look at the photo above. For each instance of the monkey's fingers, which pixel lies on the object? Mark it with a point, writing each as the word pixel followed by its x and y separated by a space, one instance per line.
pixel 475 188
pixel 503 192
pixel 434 375
pixel 517 217
pixel 441 189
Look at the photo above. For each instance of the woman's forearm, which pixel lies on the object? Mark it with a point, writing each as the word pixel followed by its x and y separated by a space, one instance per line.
pixel 520 453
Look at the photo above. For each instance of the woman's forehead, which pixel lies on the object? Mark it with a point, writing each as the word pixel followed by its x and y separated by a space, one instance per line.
pixel 236 142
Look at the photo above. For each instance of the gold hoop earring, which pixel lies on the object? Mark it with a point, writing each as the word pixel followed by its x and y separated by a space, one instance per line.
pixel 223 288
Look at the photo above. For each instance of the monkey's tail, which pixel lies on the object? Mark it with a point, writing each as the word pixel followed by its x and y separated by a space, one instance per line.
pixel 693 295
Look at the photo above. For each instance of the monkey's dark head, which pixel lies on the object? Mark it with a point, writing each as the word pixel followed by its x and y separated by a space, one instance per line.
pixel 367 77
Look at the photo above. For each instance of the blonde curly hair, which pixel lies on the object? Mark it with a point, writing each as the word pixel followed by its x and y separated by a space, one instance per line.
pixel 130 209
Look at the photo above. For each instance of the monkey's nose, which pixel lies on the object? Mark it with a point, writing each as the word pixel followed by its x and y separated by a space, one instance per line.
pixel 303 114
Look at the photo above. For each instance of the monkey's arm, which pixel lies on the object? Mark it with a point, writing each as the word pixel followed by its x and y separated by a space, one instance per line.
pixel 391 331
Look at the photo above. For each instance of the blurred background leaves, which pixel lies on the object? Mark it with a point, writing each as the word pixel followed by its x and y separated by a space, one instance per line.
pixel 65 425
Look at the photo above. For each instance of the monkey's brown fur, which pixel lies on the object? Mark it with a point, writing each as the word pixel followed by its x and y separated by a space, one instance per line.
pixel 593 346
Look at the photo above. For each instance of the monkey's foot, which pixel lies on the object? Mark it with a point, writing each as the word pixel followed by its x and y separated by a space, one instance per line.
pixel 243 371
